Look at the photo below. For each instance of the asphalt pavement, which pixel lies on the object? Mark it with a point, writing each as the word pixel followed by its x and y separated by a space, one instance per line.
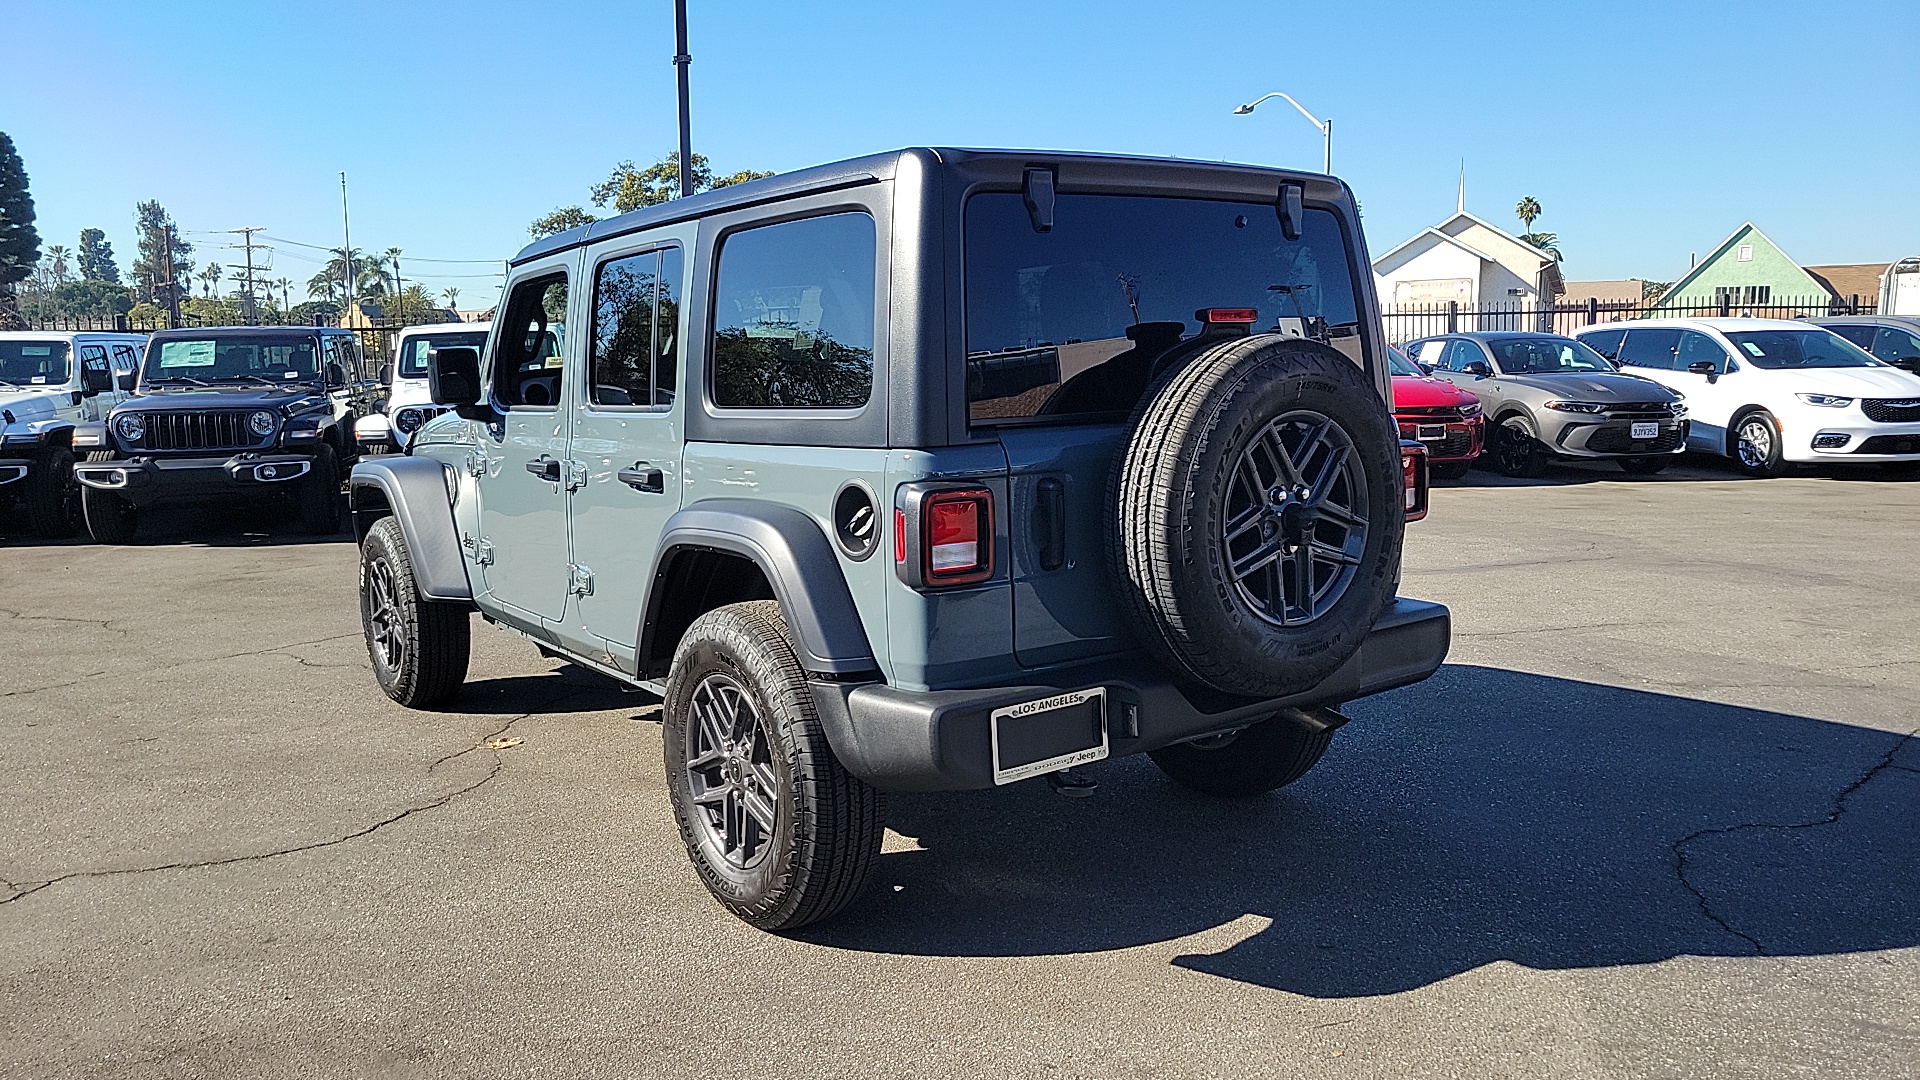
pixel 1655 818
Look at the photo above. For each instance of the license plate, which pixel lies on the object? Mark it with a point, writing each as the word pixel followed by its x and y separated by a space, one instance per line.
pixel 1049 734
pixel 1645 431
pixel 1433 432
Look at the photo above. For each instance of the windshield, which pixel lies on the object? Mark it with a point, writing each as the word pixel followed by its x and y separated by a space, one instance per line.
pixel 1067 324
pixel 1799 349
pixel 413 355
pixel 1546 356
pixel 33 363
pixel 1398 363
pixel 279 358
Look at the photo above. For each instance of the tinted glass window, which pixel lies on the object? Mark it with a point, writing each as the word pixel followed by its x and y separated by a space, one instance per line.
pixel 1430 353
pixel 1399 363
pixel 1798 349
pixel 793 314
pixel 270 358
pixel 33 363
pixel 527 362
pixel 125 360
pixel 1696 347
pixel 1462 353
pixel 1546 356
pixel 1892 343
pixel 1860 334
pixel 413 355
pixel 1605 342
pixel 1651 348
pixel 1070 322
pixel 94 358
pixel 636 316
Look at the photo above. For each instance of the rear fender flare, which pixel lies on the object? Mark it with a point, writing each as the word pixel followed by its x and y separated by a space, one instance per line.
pixel 414 491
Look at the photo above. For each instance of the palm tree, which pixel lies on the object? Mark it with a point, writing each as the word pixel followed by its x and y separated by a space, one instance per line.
pixel 1528 209
pixel 56 256
pixel 452 293
pixel 391 257
pixel 210 278
pixel 1545 241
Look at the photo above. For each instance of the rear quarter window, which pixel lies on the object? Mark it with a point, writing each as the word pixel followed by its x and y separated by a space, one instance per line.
pixel 793 315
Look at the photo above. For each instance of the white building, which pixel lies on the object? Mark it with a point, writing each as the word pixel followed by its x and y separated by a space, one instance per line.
pixel 1469 262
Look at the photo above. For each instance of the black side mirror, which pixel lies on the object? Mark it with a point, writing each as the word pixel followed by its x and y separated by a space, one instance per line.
pixel 1705 367
pixel 95 380
pixel 127 381
pixel 453 378
pixel 1479 369
pixel 385 374
pixel 1907 363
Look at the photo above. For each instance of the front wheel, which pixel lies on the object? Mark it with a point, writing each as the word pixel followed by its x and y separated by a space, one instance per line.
pixel 1252 761
pixel 419 647
pixel 1515 450
pixel 1645 466
pixel 1757 444
pixel 780 833
pixel 110 518
pixel 320 495
pixel 49 497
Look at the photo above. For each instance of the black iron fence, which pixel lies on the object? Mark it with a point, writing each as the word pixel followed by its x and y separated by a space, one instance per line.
pixel 1409 322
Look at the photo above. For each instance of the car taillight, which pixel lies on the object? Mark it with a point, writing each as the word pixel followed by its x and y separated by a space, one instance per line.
pixel 943 535
pixel 1413 479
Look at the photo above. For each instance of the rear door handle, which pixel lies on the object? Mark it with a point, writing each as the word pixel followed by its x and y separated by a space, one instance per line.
pixel 641 476
pixel 545 468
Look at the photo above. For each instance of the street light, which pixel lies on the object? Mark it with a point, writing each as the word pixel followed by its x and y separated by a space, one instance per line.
pixel 1325 126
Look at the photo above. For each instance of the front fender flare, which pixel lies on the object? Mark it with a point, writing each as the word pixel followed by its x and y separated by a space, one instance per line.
pixel 414 491
pixel 798 561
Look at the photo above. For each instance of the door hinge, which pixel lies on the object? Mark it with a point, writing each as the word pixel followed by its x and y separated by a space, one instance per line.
pixel 579 580
pixel 576 475
pixel 480 549
pixel 477 464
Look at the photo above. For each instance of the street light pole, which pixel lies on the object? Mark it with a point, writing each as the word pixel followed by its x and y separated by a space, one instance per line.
pixel 346 252
pixel 1325 126
pixel 681 59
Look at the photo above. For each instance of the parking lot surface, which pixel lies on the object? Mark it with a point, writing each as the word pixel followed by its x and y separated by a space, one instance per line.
pixel 1655 818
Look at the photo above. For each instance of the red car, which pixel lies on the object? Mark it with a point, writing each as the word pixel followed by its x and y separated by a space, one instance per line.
pixel 1438 415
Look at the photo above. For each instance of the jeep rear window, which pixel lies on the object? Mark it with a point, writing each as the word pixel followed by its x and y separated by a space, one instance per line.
pixel 1064 326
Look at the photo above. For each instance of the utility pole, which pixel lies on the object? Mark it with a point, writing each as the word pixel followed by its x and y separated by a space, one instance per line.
pixel 173 294
pixel 247 233
pixel 346 251
pixel 681 59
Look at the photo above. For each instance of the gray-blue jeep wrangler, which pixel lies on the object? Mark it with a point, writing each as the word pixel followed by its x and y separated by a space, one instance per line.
pixel 930 470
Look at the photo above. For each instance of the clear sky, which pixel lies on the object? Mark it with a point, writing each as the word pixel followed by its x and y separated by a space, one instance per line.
pixel 1646 130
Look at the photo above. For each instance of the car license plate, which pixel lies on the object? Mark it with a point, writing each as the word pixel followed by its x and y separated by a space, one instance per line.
pixel 1048 735
pixel 1433 432
pixel 1645 431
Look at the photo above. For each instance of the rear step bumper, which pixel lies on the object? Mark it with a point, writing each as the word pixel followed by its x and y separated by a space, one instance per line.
pixel 940 740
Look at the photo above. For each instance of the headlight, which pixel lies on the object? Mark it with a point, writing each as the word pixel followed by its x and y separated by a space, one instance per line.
pixel 406 420
pixel 261 423
pixel 1471 408
pixel 1679 410
pixel 1591 407
pixel 1825 401
pixel 132 427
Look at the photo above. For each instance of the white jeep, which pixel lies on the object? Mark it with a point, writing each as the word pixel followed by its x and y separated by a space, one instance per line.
pixel 51 381
pixel 409 402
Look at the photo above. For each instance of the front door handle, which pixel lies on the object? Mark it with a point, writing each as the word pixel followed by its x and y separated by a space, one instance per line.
pixel 545 468
pixel 641 476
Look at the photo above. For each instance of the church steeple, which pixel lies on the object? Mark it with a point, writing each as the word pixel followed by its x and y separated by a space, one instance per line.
pixel 1461 207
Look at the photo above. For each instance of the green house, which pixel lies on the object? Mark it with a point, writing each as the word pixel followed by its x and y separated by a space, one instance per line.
pixel 1746 270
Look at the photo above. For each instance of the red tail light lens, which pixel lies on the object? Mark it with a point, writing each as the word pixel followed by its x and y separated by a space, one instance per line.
pixel 1228 315
pixel 899 536
pixel 957 536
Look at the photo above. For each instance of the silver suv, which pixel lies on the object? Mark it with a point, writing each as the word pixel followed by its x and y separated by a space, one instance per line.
pixel 930 470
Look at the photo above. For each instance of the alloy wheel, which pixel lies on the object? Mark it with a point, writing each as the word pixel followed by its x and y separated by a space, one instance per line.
pixel 730 772
pixel 383 606
pixel 1756 442
pixel 1296 527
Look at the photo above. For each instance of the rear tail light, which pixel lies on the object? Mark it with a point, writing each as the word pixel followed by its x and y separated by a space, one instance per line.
pixel 1214 315
pixel 1413 479
pixel 943 535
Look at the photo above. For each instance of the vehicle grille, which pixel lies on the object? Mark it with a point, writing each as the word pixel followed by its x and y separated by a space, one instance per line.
pixel 1430 412
pixel 1892 410
pixel 1890 444
pixel 1457 443
pixel 211 430
pixel 1617 439
pixel 1640 410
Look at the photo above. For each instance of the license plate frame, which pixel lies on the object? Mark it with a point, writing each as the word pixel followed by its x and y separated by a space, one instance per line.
pixel 1431 432
pixel 1059 709
pixel 1644 431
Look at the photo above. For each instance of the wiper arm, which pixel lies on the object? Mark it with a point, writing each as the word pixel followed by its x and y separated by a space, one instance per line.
pixel 175 379
pixel 247 378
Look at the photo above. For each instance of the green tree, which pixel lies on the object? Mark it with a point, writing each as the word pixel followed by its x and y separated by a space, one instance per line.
pixel 19 240
pixel 210 278
pixel 630 188
pixel 97 298
pixel 147 316
pixel 158 235
pixel 559 221
pixel 1528 209
pixel 56 258
pixel 1545 241
pixel 96 257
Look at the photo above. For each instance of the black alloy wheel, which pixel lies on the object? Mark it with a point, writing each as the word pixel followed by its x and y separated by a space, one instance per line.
pixel 51 506
pixel 419 647
pixel 1296 524
pixel 1515 450
pixel 730 775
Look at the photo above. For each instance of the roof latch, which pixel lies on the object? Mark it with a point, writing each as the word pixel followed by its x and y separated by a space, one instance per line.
pixel 1038 192
pixel 1291 208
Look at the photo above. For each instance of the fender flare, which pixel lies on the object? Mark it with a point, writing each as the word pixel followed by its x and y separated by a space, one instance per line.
pixel 45 432
pixel 800 564
pixel 414 491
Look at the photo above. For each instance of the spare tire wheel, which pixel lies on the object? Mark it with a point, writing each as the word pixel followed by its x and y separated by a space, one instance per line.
pixel 1256 525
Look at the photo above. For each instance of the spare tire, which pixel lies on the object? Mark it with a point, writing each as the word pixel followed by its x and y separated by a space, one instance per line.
pixel 1256 515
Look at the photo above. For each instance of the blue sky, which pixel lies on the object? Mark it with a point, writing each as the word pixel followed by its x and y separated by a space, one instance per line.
pixel 1647 131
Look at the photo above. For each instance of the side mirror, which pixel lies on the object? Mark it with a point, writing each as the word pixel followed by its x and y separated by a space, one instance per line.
pixel 1907 363
pixel 1479 369
pixel 336 375
pixel 127 381
pixel 374 434
pixel 385 374
pixel 95 380
pixel 453 378
pixel 1703 367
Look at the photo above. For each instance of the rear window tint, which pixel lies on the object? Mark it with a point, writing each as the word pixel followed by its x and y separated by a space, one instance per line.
pixel 793 315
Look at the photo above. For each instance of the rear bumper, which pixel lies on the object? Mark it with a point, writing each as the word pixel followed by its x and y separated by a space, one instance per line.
pixel 146 480
pixel 14 470
pixel 905 740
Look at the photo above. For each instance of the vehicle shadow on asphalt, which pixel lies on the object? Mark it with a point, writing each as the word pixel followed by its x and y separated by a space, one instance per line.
pixel 1689 467
pixel 1484 815
pixel 218 526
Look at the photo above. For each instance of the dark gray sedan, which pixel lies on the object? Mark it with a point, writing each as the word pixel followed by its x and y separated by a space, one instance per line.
pixel 1546 396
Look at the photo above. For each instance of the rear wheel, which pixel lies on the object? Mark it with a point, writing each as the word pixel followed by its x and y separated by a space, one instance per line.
pixel 1516 450
pixel 320 495
pixel 1645 466
pixel 780 833
pixel 110 518
pixel 49 494
pixel 1252 761
pixel 1757 444
pixel 419 647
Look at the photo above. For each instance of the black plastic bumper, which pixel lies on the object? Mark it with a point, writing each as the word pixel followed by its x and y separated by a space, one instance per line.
pixel 904 740
pixel 146 480
pixel 14 470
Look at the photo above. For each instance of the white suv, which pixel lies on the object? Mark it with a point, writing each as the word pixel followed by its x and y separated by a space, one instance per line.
pixel 1770 391
pixel 51 381
pixel 409 404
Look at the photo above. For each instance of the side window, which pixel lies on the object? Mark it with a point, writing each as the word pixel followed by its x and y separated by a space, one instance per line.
pixel 93 358
pixel 1462 353
pixel 636 312
pixel 793 315
pixel 1431 353
pixel 1892 343
pixel 1604 342
pixel 1695 347
pixel 1651 348
pixel 330 360
pixel 350 358
pixel 527 360
pixel 1860 334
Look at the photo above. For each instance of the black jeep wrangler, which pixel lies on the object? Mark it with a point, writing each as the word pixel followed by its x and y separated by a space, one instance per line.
pixel 935 469
pixel 229 414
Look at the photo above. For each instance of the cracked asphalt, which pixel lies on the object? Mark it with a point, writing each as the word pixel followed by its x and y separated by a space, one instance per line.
pixel 1655 818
